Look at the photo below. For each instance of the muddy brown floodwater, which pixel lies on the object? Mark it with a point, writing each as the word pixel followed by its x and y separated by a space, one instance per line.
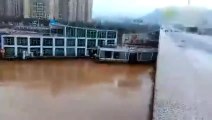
pixel 73 90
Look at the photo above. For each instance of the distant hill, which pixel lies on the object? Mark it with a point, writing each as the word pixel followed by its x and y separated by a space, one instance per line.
pixel 190 16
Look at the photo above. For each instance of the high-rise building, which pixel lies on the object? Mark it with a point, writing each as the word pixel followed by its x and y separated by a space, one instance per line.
pixel 2 7
pixel 37 9
pixel 84 10
pixel 72 10
pixel 89 10
pixel 64 10
pixel 14 8
pixel 54 8
pixel 76 10
pixel 47 9
pixel 67 10
pixel 80 10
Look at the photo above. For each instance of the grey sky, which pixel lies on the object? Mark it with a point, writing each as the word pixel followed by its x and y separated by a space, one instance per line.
pixel 135 8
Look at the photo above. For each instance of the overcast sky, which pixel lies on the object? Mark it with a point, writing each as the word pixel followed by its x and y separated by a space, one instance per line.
pixel 133 8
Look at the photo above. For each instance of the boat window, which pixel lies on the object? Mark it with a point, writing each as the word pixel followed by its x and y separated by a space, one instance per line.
pixel 71 32
pixel 81 32
pixel 22 41
pixel 91 33
pixel 101 34
pixel 139 57
pixel 70 51
pixel 111 42
pixel 8 40
pixel 101 43
pixel 35 51
pixel 108 54
pixel 119 55
pixel 81 42
pixel 91 43
pixel 47 42
pixel 21 50
pixel 9 51
pixel 59 52
pixel 111 34
pixel 59 42
pixel 70 42
pixel 146 56
pixel 80 52
pixel 47 51
pixel 34 41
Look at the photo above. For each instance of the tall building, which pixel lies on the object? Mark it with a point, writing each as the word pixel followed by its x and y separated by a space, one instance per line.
pixel 54 8
pixel 84 10
pixel 72 10
pixel 37 9
pixel 67 10
pixel 89 10
pixel 2 7
pixel 64 10
pixel 76 10
pixel 13 8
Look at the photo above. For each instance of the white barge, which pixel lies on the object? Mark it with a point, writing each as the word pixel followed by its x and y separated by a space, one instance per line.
pixel 62 41
pixel 126 54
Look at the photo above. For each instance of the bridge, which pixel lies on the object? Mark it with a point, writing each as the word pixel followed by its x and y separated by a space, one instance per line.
pixel 184 77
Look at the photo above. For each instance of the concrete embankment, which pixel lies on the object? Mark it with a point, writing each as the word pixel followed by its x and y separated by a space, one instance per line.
pixel 183 80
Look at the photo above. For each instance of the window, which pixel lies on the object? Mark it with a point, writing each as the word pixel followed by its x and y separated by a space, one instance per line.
pixel 70 42
pixel 59 52
pixel 9 51
pixel 47 52
pixel 155 54
pixel 22 41
pixel 91 33
pixel 59 42
pixel 70 32
pixel 111 42
pixel 81 32
pixel 111 34
pixel 91 43
pixel 101 43
pixel 35 51
pixel 47 42
pixel 34 41
pixel 146 56
pixel 119 55
pixel 21 50
pixel 80 52
pixel 70 51
pixel 81 42
pixel 9 41
pixel 101 34
pixel 105 54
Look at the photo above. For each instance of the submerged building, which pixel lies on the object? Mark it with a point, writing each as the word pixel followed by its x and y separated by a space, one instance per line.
pixel 61 41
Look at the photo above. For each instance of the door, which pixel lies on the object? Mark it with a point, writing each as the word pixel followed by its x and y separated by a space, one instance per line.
pixel 133 58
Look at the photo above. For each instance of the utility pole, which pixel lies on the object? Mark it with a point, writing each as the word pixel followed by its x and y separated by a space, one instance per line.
pixel 188 2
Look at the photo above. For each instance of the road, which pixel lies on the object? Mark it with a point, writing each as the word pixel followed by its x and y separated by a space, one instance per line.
pixel 183 80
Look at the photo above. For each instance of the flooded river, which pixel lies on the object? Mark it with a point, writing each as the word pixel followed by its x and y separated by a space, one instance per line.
pixel 73 90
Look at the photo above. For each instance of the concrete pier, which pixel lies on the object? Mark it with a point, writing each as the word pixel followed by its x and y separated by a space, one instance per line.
pixel 184 77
